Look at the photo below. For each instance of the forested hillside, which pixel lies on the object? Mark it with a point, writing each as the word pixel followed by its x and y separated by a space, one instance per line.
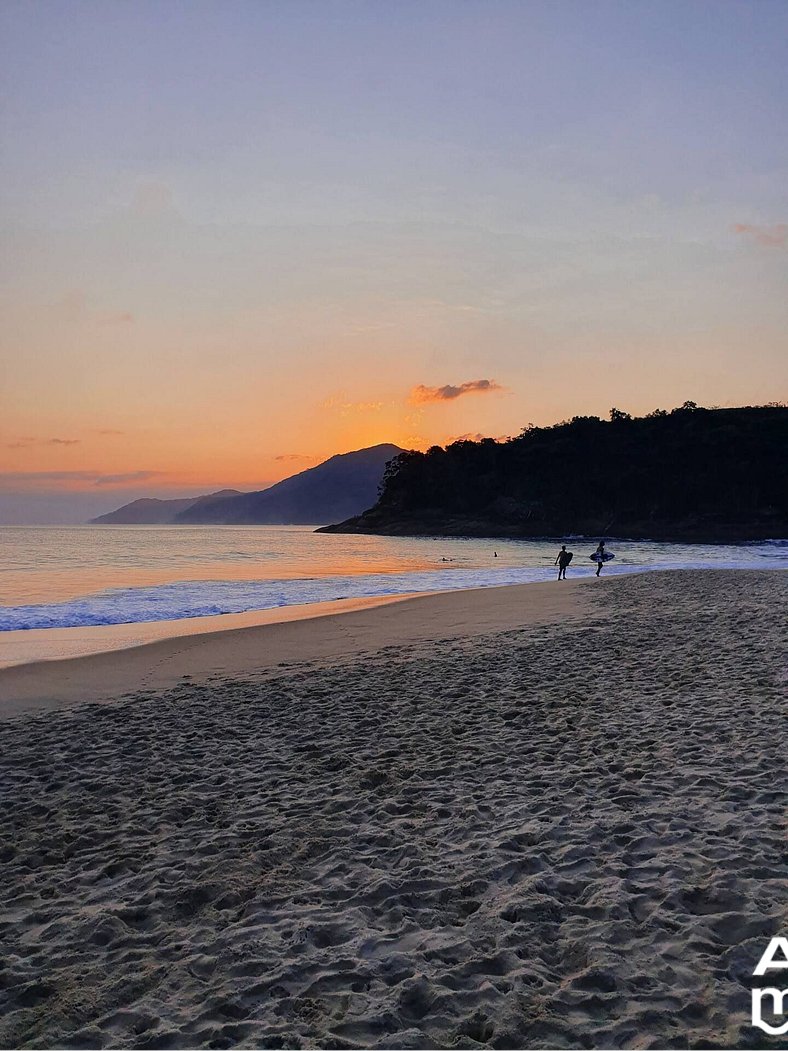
pixel 692 473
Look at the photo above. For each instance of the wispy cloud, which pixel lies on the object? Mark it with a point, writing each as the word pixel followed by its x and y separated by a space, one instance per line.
pixel 421 394
pixel 75 307
pixel 123 479
pixel 294 457
pixel 152 199
pixel 70 480
pixel 465 438
pixel 26 443
pixel 351 408
pixel 39 479
pixel 476 438
pixel 116 317
pixel 775 236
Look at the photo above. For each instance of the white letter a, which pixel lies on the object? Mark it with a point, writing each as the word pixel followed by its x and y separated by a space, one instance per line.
pixel 767 962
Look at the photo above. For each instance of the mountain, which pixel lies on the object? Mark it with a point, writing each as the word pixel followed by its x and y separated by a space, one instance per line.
pixel 690 474
pixel 342 486
pixel 149 511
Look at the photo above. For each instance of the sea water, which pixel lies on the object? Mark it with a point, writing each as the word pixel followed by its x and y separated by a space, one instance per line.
pixel 53 577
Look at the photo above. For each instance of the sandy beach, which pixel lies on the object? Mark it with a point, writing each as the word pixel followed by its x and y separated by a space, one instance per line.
pixel 123 659
pixel 32 646
pixel 543 816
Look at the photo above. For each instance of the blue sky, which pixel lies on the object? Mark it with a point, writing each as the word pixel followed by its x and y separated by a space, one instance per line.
pixel 383 101
pixel 242 232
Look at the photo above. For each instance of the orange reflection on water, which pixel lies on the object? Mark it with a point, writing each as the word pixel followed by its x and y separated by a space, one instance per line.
pixel 61 585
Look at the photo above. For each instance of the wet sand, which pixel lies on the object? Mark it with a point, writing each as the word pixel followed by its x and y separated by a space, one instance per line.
pixel 34 645
pixel 426 825
pixel 208 647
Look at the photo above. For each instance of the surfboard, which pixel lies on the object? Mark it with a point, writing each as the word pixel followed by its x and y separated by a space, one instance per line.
pixel 606 557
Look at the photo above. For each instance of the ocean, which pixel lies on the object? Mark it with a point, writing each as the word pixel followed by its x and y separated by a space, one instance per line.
pixel 60 577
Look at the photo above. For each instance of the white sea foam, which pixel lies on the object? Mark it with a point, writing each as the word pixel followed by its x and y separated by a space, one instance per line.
pixel 178 600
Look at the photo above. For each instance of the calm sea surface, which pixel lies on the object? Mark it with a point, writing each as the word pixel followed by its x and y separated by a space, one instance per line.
pixel 90 575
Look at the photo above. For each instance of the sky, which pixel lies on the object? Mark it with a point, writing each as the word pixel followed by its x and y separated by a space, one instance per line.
pixel 241 237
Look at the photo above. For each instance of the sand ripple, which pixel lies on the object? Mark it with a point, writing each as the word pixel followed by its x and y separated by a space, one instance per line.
pixel 566 837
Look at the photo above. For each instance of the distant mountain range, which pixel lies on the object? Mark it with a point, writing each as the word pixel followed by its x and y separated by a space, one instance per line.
pixel 150 511
pixel 317 495
pixel 341 487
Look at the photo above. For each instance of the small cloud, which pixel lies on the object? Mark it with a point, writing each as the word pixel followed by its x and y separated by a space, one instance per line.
pixel 152 199
pixel 363 406
pixel 288 457
pixel 775 236
pixel 378 326
pixel 442 304
pixel 116 317
pixel 75 308
pixel 414 441
pixel 121 479
pixel 477 438
pixel 351 408
pixel 25 443
pixel 24 480
pixel 465 438
pixel 68 480
pixel 422 394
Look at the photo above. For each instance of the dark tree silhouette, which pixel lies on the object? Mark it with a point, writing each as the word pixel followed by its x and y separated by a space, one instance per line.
pixel 692 473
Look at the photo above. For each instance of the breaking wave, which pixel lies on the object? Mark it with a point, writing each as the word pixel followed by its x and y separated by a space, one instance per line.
pixel 179 600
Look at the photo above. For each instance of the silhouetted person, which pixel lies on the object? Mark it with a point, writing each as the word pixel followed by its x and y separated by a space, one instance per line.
pixel 601 552
pixel 563 559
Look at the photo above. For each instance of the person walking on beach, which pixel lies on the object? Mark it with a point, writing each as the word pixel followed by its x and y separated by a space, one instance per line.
pixel 600 550
pixel 563 559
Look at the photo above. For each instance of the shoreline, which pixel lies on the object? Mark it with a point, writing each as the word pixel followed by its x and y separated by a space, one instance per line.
pixel 222 651
pixel 261 642
pixel 477 530
pixel 29 646
pixel 72 643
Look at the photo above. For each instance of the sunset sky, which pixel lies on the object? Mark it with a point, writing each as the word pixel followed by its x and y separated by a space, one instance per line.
pixel 241 237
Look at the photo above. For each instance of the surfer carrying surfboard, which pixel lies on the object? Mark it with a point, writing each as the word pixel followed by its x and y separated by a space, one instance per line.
pixel 562 561
pixel 600 556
